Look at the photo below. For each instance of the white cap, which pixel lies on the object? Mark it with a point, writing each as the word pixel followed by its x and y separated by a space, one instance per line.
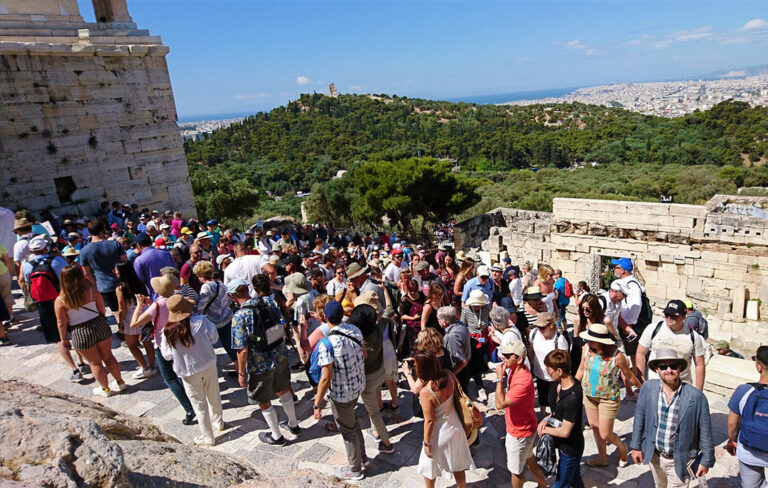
pixel 617 285
pixel 37 244
pixel 483 271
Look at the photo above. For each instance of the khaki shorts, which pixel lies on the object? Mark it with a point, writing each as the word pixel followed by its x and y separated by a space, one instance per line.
pixel 606 409
pixel 518 451
pixel 390 369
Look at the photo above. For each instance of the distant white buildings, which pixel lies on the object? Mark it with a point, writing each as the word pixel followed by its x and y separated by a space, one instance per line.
pixel 198 130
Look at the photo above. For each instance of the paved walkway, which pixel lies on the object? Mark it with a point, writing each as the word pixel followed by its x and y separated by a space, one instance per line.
pixel 31 360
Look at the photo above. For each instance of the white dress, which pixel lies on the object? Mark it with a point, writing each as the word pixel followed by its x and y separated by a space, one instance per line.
pixel 450 450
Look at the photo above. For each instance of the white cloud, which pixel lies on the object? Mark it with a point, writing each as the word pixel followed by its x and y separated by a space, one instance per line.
pixel 640 40
pixel 574 44
pixel 693 34
pixel 355 88
pixel 302 80
pixel 755 25
pixel 247 96
pixel 592 52
pixel 733 40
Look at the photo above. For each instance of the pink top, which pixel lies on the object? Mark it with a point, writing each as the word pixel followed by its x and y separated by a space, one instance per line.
pixel 176 225
pixel 159 313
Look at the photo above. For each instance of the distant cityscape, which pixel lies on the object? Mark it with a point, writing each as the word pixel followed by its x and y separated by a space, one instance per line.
pixel 667 98
pixel 662 98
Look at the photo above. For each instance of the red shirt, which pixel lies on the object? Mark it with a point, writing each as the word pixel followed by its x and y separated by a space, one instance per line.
pixel 521 417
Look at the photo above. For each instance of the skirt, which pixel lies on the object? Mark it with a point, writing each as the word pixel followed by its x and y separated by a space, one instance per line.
pixel 87 334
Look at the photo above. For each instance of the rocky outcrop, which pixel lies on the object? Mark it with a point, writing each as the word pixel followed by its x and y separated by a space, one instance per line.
pixel 50 439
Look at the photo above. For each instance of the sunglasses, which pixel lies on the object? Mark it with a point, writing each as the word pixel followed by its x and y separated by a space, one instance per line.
pixel 666 366
pixel 670 316
pixel 507 356
pixel 586 309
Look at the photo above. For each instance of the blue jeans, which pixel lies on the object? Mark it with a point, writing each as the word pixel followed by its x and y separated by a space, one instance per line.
pixel 569 472
pixel 173 382
pixel 225 339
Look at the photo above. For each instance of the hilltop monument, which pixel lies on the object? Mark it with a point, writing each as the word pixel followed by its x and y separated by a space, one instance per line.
pixel 88 111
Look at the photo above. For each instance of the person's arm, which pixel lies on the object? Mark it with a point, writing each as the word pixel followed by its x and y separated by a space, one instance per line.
pixel 99 300
pixel 425 315
pixel 322 389
pixel 622 362
pixel 734 422
pixel 706 442
pixel 414 384
pixel 140 318
pixel 9 264
pixel 562 432
pixel 314 338
pixel 428 407
pixel 638 426
pixel 122 306
pixel 62 321
pixel 459 366
pixel 242 360
pixel 701 371
pixel 642 351
pixel 611 327
pixel 580 372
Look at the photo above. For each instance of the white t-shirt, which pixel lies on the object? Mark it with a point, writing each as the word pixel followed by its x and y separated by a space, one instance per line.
pixel 392 273
pixel 679 341
pixel 245 268
pixel 541 347
pixel 21 249
pixel 516 291
pixel 549 301
pixel 333 287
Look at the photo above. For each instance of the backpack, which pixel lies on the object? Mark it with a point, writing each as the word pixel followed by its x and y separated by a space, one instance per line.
pixel 690 332
pixel 646 312
pixel 314 370
pixel 43 282
pixel 568 289
pixel 268 333
pixel 753 408
pixel 557 338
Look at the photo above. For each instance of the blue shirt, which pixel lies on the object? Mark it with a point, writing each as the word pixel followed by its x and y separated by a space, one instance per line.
pixel 242 326
pixel 348 379
pixel 149 263
pixel 474 284
pixel 102 256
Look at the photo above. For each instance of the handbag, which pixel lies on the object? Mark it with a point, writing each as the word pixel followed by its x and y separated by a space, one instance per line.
pixel 470 416
pixel 546 455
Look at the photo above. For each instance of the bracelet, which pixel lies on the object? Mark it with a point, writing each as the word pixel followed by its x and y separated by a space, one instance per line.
pixel 427 444
pixel 316 407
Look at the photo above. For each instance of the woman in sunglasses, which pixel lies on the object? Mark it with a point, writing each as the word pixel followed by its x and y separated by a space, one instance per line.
pixel 601 362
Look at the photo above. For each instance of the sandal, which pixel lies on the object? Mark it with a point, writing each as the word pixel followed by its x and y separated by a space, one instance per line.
pixel 331 427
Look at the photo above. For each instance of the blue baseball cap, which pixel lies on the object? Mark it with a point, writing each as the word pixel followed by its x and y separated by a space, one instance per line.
pixel 333 312
pixel 235 284
pixel 143 239
pixel 625 263
pixel 507 260
pixel 212 222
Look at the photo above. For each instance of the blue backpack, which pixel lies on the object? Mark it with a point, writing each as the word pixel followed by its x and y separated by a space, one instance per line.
pixel 754 418
pixel 314 370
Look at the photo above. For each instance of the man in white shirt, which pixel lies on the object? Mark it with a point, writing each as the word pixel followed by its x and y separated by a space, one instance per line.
pixel 612 301
pixel 393 270
pixel 515 288
pixel 672 334
pixel 630 306
pixel 245 266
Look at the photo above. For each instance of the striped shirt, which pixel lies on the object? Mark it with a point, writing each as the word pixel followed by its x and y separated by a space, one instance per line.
pixel 667 432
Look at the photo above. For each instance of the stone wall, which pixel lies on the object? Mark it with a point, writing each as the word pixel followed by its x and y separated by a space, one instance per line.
pixel 88 111
pixel 714 255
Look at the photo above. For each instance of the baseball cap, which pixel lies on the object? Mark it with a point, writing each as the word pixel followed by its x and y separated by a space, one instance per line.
pixel 422 265
pixel 186 231
pixel 496 267
pixel 625 263
pixel 515 347
pixel 143 239
pixel 675 308
pixel 160 243
pixel 73 236
pixel 617 285
pixel 721 345
pixel 483 271
pixel 333 312
pixel 235 284
pixel 212 222
pixel 37 244
pixel 221 257
pixel 397 252
pixel 507 260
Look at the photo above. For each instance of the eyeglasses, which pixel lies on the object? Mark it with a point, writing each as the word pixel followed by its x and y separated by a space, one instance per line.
pixel 666 366
pixel 197 252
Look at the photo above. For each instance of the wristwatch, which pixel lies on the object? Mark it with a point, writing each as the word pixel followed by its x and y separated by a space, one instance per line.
pixel 427 444
pixel 316 407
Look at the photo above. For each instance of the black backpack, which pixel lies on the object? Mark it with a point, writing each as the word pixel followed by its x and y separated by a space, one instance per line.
pixel 646 312
pixel 268 332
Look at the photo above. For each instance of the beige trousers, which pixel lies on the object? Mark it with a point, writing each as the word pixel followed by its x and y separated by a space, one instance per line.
pixel 203 392
pixel 663 471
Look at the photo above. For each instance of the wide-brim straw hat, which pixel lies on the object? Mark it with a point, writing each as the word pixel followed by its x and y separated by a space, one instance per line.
pixel 354 270
pixel 598 333
pixel 368 298
pixel 533 293
pixel 164 285
pixel 665 355
pixel 21 223
pixel 477 299
pixel 179 308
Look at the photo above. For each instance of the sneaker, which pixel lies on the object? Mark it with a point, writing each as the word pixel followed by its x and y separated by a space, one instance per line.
pixel 386 449
pixel 365 461
pixel 142 373
pixel 482 396
pixel 75 376
pixel 117 386
pixel 83 368
pixel 4 341
pixel 293 430
pixel 202 441
pixel 345 473
pixel 221 427
pixel 189 419
pixel 99 391
pixel 266 438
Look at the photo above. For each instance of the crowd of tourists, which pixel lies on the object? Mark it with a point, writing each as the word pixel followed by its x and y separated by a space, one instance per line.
pixel 359 314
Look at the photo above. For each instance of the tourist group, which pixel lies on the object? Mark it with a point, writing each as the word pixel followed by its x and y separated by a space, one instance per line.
pixel 364 313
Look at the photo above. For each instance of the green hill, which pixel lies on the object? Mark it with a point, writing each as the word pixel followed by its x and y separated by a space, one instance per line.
pixel 294 147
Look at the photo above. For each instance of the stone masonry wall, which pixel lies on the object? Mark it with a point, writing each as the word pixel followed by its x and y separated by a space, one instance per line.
pixel 716 259
pixel 88 115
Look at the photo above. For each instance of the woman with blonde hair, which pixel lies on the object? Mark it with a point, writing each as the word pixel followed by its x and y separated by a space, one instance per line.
pixel 81 312
pixel 466 272
pixel 546 283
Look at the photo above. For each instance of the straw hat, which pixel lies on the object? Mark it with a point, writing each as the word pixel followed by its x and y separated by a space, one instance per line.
pixel 368 298
pixel 354 270
pixel 297 283
pixel 164 285
pixel 477 299
pixel 544 319
pixel 71 252
pixel 179 308
pixel 598 333
pixel 532 293
pixel 665 355
pixel 21 223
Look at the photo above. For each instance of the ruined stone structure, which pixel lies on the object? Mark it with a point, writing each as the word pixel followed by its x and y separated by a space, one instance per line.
pixel 713 255
pixel 87 111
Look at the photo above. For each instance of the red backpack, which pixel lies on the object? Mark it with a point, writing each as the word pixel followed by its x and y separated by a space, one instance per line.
pixel 43 283
pixel 568 289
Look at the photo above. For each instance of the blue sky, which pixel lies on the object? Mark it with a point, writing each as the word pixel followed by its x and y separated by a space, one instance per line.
pixel 242 56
